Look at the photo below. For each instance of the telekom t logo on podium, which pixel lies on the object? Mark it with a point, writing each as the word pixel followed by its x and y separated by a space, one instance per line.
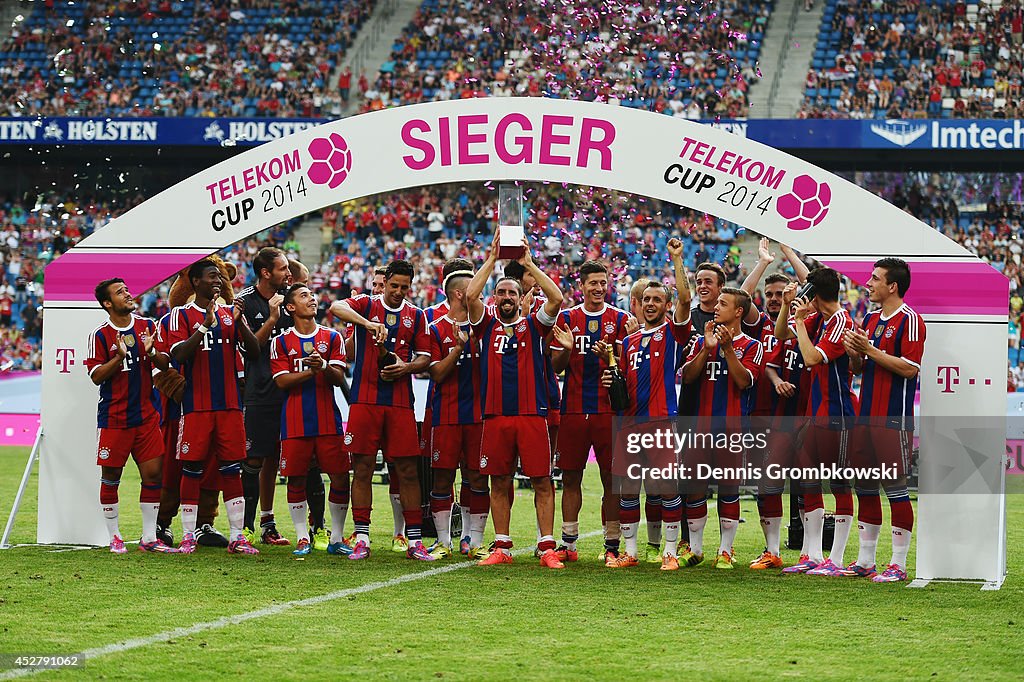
pixel 949 376
pixel 65 359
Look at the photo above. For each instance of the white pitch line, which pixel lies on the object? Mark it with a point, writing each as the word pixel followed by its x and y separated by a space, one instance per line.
pixel 138 642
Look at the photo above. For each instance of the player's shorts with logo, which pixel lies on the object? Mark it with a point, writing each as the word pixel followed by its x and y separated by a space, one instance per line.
pixel 115 446
pixel 506 438
pixel 455 445
pixel 376 427
pixel 172 465
pixel 262 430
pixel 297 454
pixel 824 444
pixel 877 446
pixel 577 434
pixel 219 434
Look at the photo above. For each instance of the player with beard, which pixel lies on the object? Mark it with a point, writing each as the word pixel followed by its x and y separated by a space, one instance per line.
pixel 391 345
pixel 121 361
pixel 887 351
pixel 264 313
pixel 819 326
pixel 204 340
pixel 777 403
pixel 597 330
pixel 516 399
pixel 649 361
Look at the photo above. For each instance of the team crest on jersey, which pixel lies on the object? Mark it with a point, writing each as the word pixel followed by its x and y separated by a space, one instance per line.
pixel 658 335
pixel 889 332
pixel 592 326
pixel 738 352
pixel 392 319
pixel 878 332
pixel 184 448
pixel 307 346
pixel 407 322
pixel 321 347
pixel 483 461
pixel 348 439
pixel 609 328
pixel 129 341
pixel 104 453
pixel 521 328
pixel 228 320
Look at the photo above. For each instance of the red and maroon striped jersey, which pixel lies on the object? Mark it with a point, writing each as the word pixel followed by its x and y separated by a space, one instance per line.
pixel 309 409
pixel 127 399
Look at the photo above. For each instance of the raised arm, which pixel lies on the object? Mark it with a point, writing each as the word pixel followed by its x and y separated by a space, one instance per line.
pixel 547 285
pixel 799 269
pixel 682 310
pixel 476 285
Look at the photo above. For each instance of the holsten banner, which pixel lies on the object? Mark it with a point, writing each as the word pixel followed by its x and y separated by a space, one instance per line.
pixel 783 134
pixel 546 140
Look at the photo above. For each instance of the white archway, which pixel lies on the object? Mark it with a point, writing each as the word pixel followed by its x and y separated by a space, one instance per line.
pixel 963 300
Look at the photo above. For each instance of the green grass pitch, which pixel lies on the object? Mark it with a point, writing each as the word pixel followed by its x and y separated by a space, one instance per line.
pixel 473 623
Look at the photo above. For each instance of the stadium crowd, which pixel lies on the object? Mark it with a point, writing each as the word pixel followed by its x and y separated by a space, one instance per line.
pixel 910 59
pixel 690 64
pixel 176 58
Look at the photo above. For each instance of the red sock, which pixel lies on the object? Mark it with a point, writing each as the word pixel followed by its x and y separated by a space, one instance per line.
pixel 150 493
pixel 869 509
pixel 296 493
pixel 108 494
pixel 770 506
pixel 902 514
pixel 844 502
pixel 813 502
pixel 480 501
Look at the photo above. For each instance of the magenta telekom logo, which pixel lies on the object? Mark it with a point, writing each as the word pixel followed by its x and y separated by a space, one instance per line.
pixel 332 160
pixel 806 205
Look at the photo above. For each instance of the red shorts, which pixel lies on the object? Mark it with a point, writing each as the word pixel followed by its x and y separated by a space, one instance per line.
pixel 219 436
pixel 554 418
pixel 172 465
pixel 878 446
pixel 823 445
pixel 631 456
pixel 377 427
pixel 454 445
pixel 297 454
pixel 505 438
pixel 141 442
pixel 579 433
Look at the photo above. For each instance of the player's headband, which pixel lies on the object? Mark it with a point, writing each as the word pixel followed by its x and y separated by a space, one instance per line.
pixel 457 273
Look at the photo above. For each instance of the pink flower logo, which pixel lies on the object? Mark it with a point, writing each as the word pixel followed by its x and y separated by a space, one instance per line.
pixel 806 205
pixel 332 160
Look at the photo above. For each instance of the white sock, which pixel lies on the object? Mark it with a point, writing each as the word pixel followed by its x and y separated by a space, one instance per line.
pixel 772 533
pixel 110 514
pixel 570 528
pixel 654 532
pixel 150 510
pixel 727 528
pixel 396 510
pixel 299 512
pixel 466 521
pixel 868 534
pixel 236 517
pixel 696 527
pixel 443 526
pixel 900 546
pixel 803 523
pixel 338 514
pixel 188 518
pixel 671 537
pixel 477 526
pixel 840 538
pixel 814 524
pixel 629 535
